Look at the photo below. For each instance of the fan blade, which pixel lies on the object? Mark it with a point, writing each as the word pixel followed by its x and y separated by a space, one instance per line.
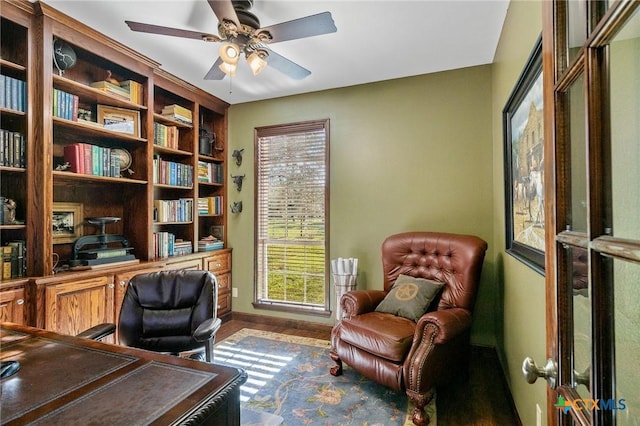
pixel 215 73
pixel 175 32
pixel 309 26
pixel 286 66
pixel 224 11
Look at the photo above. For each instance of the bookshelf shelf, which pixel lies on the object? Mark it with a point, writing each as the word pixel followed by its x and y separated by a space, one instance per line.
pixel 13 227
pixel 12 112
pixel 69 176
pixel 11 65
pixel 12 169
pixel 164 149
pixel 169 122
pixel 90 94
pixel 89 129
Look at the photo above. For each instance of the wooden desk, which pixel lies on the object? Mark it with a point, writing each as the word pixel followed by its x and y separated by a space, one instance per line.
pixel 71 381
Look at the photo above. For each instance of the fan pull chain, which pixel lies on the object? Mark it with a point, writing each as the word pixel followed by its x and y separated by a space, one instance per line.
pixel 230 87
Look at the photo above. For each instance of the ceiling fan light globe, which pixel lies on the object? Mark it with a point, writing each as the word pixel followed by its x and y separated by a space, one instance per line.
pixel 256 63
pixel 230 52
pixel 229 69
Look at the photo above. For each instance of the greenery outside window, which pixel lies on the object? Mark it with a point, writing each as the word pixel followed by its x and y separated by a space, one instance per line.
pixel 292 193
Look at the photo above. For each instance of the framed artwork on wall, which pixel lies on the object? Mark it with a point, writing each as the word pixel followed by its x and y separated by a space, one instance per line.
pixel 67 222
pixel 523 131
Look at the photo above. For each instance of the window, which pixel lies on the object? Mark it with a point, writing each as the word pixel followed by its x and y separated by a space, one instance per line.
pixel 292 190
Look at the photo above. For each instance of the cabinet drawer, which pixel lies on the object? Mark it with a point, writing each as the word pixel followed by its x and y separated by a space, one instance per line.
pixel 224 282
pixel 224 304
pixel 218 263
pixel 185 264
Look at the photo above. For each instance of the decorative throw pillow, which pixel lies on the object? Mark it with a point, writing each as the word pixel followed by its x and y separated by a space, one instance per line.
pixel 410 297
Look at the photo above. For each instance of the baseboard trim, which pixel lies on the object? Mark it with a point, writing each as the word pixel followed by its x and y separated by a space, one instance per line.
pixel 281 322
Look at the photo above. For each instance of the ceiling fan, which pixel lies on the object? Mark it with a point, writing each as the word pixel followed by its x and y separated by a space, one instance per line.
pixel 240 32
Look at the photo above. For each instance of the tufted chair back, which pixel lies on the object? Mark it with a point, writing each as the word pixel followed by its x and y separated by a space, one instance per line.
pixel 453 259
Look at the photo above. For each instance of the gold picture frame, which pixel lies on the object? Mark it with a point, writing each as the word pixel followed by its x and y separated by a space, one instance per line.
pixel 119 120
pixel 67 219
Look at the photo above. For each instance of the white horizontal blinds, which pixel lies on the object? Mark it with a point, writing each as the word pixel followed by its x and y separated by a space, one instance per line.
pixel 291 210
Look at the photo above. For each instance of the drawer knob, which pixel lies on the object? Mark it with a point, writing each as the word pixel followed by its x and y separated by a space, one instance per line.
pixel 20 301
pixel 122 283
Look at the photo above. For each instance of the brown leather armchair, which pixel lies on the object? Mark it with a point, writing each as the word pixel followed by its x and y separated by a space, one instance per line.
pixel 397 352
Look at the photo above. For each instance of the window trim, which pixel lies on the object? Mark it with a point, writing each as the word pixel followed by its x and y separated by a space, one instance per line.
pixel 278 130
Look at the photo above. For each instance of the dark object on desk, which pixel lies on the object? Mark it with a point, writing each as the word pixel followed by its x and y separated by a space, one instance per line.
pixel 167 311
pixel 81 381
pixel 8 368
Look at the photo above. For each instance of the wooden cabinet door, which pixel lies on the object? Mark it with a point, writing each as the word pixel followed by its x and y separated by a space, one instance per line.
pixel 12 306
pixel 78 305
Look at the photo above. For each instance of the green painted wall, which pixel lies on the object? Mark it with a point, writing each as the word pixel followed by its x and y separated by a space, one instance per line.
pixel 406 154
pixel 521 293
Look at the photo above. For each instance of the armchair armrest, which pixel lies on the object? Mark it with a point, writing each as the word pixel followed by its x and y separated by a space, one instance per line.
pixel 207 329
pixel 98 332
pixel 357 302
pixel 449 323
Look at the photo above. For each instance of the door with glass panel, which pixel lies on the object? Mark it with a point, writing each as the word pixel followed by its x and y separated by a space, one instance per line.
pixel 591 65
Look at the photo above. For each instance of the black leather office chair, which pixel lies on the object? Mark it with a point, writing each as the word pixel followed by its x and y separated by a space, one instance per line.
pixel 167 311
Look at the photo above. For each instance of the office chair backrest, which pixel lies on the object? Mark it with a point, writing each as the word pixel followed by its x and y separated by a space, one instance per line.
pixel 161 310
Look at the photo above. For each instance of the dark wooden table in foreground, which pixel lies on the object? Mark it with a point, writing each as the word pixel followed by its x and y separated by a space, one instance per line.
pixel 73 381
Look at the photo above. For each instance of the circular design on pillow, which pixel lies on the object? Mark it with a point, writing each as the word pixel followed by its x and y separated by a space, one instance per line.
pixel 406 291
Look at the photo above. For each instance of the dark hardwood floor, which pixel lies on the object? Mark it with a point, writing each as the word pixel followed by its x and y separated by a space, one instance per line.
pixel 483 400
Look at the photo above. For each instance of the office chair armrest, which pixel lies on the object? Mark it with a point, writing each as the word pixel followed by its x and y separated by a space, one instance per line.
pixel 98 332
pixel 207 329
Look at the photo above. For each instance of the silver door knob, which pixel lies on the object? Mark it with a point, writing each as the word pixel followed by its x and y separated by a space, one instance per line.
pixel 531 371
pixel 582 378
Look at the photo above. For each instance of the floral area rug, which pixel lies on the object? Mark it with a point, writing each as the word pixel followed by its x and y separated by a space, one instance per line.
pixel 289 384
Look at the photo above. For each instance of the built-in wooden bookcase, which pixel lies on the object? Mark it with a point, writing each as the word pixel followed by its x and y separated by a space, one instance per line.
pixel 15 134
pixel 213 186
pixel 73 112
pixel 173 174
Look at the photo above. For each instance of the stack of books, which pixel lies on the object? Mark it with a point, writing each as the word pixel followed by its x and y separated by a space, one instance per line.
pixel 178 113
pixel 210 243
pixel 112 89
pixel 105 256
pixel 173 210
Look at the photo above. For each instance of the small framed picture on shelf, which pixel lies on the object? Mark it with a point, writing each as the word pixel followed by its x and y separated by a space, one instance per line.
pixel 67 222
pixel 217 231
pixel 119 119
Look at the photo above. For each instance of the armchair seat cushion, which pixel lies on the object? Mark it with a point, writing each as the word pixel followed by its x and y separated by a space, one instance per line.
pixel 381 334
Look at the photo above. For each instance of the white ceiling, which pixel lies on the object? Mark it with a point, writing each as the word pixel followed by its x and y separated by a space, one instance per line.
pixel 376 40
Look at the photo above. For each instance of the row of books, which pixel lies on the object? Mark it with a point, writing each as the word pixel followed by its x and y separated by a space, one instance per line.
pixel 13 93
pixel 171 173
pixel 112 89
pixel 65 105
pixel 94 160
pixel 210 205
pixel 165 244
pixel 12 149
pixel 166 136
pixel 180 210
pixel 136 91
pixel 178 113
pixel 210 172
pixel 12 260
